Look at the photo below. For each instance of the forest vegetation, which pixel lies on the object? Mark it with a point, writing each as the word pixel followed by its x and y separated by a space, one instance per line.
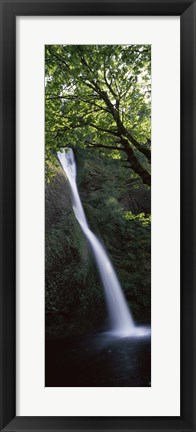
pixel 98 102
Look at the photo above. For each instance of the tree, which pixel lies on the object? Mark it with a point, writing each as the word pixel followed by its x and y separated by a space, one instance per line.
pixel 98 96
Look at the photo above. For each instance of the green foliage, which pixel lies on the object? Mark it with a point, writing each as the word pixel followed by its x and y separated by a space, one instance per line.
pixel 114 204
pixel 140 218
pixel 98 96
pixel 105 189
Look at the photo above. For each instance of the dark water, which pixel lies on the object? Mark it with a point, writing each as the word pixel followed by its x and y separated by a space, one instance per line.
pixel 98 360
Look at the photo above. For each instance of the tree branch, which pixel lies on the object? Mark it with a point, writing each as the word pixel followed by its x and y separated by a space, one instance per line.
pixel 91 144
pixel 62 97
pixel 107 82
pixel 101 129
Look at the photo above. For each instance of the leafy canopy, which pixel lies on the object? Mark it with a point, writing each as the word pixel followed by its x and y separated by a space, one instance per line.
pixel 98 96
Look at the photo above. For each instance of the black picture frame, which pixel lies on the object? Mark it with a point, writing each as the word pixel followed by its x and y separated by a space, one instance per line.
pixel 9 10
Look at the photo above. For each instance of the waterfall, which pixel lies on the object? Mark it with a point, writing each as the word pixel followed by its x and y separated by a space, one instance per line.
pixel 122 323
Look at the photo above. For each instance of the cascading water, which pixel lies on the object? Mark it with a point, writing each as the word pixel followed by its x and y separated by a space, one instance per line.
pixel 121 320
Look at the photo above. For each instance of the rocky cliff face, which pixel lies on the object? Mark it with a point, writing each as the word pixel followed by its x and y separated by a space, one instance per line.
pixel 71 305
pixel 117 211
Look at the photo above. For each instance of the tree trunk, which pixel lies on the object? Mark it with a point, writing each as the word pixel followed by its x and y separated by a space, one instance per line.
pixel 135 164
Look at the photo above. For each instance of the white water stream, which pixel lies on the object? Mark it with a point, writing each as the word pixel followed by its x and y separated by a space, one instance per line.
pixel 122 323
